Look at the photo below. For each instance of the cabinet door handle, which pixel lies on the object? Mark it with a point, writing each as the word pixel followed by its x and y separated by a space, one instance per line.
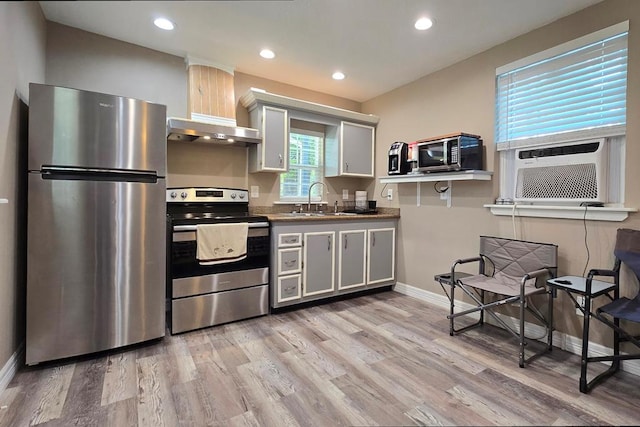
pixel 346 166
pixel 345 242
pixel 328 243
pixel 373 239
pixel 280 158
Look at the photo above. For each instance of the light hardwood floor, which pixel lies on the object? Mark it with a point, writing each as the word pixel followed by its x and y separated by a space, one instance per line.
pixel 383 359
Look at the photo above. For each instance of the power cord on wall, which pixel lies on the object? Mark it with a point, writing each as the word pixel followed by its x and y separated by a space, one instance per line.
pixel 382 191
pixel 587 205
pixel 513 221
pixel 586 242
pixel 441 190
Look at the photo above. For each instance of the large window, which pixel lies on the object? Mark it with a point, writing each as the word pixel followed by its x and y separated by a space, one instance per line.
pixel 571 93
pixel 305 166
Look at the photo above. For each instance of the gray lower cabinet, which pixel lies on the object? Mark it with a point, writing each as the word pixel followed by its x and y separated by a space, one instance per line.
pixel 381 262
pixel 316 260
pixel 288 287
pixel 352 259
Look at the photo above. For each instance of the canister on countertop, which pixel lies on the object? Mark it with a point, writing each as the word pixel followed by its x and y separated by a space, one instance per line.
pixel 361 200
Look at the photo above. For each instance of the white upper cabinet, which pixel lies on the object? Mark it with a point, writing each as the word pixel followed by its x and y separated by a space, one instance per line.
pixel 271 154
pixel 349 150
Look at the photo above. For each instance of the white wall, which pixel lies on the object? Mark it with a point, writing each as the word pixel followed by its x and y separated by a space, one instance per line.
pixel 22 50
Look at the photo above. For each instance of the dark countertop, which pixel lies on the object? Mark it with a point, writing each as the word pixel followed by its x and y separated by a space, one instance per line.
pixel 282 217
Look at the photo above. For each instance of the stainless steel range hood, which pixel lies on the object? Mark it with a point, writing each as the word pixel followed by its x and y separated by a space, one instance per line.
pixel 185 130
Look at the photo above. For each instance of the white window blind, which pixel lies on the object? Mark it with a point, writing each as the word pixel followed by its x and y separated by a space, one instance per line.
pixel 573 91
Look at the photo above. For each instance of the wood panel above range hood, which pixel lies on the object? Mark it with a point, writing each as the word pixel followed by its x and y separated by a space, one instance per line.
pixel 211 92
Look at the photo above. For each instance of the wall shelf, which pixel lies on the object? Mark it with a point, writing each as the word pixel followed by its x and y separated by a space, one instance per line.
pixel 472 175
pixel 476 175
pixel 565 212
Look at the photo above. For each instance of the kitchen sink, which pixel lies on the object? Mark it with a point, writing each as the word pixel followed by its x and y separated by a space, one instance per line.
pixel 303 214
pixel 311 214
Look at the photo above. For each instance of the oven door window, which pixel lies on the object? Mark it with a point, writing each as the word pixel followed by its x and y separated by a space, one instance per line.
pixel 185 264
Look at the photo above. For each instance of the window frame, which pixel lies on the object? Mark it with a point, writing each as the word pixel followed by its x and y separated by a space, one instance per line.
pixel 320 167
pixel 615 135
pixel 541 57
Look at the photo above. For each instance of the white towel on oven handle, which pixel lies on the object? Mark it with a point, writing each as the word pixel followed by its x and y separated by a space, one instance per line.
pixel 221 243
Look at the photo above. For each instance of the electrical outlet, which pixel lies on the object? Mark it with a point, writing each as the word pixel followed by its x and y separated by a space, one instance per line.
pixel 345 194
pixel 255 192
pixel 389 194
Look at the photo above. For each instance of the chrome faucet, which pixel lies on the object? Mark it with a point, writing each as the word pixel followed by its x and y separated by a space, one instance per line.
pixel 310 187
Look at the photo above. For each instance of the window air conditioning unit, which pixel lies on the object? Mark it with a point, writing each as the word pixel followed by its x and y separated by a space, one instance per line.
pixel 562 173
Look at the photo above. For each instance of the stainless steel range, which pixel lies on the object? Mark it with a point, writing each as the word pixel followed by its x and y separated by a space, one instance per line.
pixel 204 294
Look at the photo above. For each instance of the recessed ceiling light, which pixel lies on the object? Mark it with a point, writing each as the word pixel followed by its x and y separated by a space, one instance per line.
pixel 163 23
pixel 423 24
pixel 338 75
pixel 267 54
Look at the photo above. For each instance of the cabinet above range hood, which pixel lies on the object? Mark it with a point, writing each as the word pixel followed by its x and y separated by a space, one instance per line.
pixel 185 130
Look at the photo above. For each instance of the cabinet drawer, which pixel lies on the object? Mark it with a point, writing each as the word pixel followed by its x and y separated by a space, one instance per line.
pixel 289 239
pixel 289 261
pixel 289 287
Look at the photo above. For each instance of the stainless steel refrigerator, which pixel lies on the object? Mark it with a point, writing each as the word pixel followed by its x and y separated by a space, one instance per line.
pixel 96 226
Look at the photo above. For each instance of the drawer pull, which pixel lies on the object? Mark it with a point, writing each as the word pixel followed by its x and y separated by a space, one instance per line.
pixel 290 288
pixel 290 262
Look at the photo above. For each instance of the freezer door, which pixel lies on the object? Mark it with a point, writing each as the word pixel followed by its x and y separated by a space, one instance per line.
pixel 70 127
pixel 96 266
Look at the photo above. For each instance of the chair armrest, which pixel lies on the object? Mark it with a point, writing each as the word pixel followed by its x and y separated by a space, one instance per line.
pixel 535 275
pixel 599 272
pixel 466 261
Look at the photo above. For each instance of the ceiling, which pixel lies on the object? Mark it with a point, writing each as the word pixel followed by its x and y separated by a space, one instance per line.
pixel 373 42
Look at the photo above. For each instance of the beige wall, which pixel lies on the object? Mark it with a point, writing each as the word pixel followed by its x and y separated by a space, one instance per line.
pixel 461 98
pixel 88 61
pixel 22 49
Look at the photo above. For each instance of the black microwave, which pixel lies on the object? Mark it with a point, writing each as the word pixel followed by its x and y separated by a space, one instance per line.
pixel 451 153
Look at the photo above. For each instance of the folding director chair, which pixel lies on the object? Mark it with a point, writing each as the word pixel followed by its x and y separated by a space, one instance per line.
pixel 510 269
pixel 627 252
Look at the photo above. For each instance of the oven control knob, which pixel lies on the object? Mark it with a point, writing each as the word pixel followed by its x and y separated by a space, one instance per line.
pixel 242 195
pixel 183 194
pixel 233 195
pixel 174 194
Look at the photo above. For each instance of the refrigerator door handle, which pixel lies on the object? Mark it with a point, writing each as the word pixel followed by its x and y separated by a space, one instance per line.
pixel 93 174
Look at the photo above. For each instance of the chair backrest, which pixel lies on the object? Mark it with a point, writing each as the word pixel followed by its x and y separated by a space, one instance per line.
pixel 515 258
pixel 627 250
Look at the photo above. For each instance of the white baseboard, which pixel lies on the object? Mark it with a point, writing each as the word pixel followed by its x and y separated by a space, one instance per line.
pixel 561 340
pixel 10 368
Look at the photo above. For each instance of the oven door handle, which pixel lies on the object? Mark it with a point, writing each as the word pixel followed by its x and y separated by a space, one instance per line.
pixel 194 227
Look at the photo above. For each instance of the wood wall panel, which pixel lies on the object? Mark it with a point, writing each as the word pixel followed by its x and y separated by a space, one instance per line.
pixel 211 92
